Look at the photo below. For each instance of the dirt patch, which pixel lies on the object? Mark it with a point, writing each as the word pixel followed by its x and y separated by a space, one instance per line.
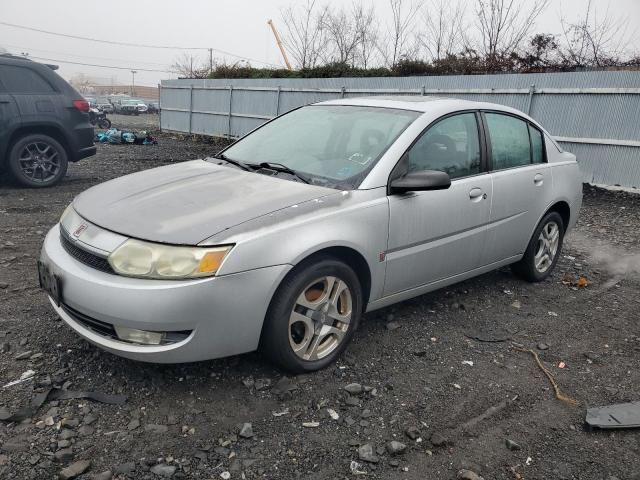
pixel 448 362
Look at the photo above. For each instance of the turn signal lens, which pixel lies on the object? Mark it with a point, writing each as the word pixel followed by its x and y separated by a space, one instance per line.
pixel 211 261
pixel 135 258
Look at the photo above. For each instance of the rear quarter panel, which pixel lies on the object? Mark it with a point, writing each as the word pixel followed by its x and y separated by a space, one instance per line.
pixel 567 180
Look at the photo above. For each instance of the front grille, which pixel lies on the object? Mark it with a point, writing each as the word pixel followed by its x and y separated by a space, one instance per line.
pixel 102 328
pixel 86 257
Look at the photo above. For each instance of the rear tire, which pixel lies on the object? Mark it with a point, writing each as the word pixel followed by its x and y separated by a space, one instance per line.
pixel 104 123
pixel 312 316
pixel 38 161
pixel 543 250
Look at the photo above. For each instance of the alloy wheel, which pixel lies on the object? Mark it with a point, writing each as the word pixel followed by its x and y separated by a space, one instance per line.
pixel 320 318
pixel 39 162
pixel 547 248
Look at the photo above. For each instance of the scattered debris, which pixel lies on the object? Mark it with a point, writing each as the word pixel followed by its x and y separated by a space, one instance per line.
pixel 562 365
pixel 356 468
pixel 542 346
pixel 412 432
pixel 516 304
pixel 311 424
pixel 488 412
pixel 621 415
pixel 511 445
pixel 552 314
pixel 225 475
pixel 58 394
pixel 455 385
pixel 117 137
pixel 489 337
pixel 467 362
pixel 570 280
pixel 28 375
pixel 333 414
pixel 559 395
pixel 280 414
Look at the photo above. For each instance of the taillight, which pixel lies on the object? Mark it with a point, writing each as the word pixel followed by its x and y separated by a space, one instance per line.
pixel 81 105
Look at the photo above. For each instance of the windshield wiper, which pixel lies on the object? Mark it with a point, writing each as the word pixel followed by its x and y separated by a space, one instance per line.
pixel 237 163
pixel 279 167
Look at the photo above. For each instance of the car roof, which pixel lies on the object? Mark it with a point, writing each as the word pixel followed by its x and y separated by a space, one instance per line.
pixel 419 103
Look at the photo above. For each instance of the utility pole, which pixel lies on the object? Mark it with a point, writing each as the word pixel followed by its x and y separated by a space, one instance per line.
pixel 133 82
pixel 210 61
pixel 280 46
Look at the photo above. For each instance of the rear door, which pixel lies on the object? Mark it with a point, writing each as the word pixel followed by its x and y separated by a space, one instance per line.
pixel 522 183
pixel 434 235
pixel 36 98
pixel 9 118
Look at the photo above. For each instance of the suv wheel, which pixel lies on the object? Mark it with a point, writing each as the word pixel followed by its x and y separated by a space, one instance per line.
pixel 38 161
pixel 312 316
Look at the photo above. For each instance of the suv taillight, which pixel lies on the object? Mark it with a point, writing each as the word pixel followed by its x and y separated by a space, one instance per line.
pixel 81 105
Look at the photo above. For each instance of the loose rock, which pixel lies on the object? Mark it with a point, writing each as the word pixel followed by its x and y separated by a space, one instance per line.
pixel 354 388
pixel 395 448
pixel 365 453
pixel 246 430
pixel 75 469
pixel 163 470
pixel 468 475
pixel 511 445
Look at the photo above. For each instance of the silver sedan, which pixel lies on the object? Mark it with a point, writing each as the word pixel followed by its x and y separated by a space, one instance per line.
pixel 282 241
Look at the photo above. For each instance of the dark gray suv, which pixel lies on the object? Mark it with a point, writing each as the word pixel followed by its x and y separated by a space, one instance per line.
pixel 43 123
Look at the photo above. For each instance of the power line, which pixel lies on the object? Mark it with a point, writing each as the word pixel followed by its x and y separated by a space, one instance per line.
pixel 101 66
pixel 128 44
pixel 92 57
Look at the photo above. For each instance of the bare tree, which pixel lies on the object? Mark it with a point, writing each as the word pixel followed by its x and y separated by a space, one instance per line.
pixel 504 24
pixel 367 30
pixel 441 30
pixel 304 34
pixel 351 34
pixel 188 66
pixel 593 40
pixel 398 41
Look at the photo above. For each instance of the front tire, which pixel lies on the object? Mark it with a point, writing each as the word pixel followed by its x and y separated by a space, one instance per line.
pixel 312 316
pixel 543 250
pixel 104 123
pixel 38 161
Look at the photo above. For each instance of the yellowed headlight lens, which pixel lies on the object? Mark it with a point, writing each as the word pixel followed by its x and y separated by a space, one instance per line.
pixel 136 258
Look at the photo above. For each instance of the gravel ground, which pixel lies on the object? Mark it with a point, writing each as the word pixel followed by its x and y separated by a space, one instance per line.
pixel 423 369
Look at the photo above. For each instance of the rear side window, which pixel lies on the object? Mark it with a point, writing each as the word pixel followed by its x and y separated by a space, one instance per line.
pixel 451 146
pixel 510 145
pixel 19 80
pixel 537 146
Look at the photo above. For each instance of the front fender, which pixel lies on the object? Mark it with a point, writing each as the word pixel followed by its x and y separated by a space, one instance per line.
pixel 358 220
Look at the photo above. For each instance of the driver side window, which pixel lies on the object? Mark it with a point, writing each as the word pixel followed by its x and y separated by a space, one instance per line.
pixel 451 145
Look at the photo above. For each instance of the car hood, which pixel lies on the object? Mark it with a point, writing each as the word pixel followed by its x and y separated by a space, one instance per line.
pixel 186 203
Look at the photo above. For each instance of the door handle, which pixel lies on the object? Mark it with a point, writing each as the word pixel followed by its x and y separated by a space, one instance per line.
pixel 538 179
pixel 476 194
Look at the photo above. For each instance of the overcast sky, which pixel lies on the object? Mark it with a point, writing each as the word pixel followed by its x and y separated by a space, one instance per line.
pixel 236 26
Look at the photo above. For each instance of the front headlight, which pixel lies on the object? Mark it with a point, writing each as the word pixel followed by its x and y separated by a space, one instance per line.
pixel 66 212
pixel 135 258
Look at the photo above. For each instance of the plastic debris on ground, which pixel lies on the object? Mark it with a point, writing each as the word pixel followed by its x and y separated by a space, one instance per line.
pixel 621 415
pixel 118 137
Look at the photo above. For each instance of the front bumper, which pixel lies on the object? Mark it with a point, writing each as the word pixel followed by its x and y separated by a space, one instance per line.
pixel 224 314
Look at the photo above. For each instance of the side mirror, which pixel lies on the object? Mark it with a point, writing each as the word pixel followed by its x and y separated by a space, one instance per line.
pixel 421 181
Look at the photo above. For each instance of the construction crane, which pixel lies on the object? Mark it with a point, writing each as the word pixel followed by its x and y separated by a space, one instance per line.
pixel 280 46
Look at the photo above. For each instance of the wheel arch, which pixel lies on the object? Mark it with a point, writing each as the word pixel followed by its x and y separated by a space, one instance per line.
pixel 353 259
pixel 563 209
pixel 50 130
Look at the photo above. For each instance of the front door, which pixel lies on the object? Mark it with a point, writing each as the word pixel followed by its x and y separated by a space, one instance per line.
pixel 435 235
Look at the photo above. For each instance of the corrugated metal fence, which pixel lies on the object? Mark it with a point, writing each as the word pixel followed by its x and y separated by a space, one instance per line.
pixel 595 115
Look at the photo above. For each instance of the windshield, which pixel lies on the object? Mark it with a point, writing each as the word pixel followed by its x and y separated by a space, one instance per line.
pixel 331 145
